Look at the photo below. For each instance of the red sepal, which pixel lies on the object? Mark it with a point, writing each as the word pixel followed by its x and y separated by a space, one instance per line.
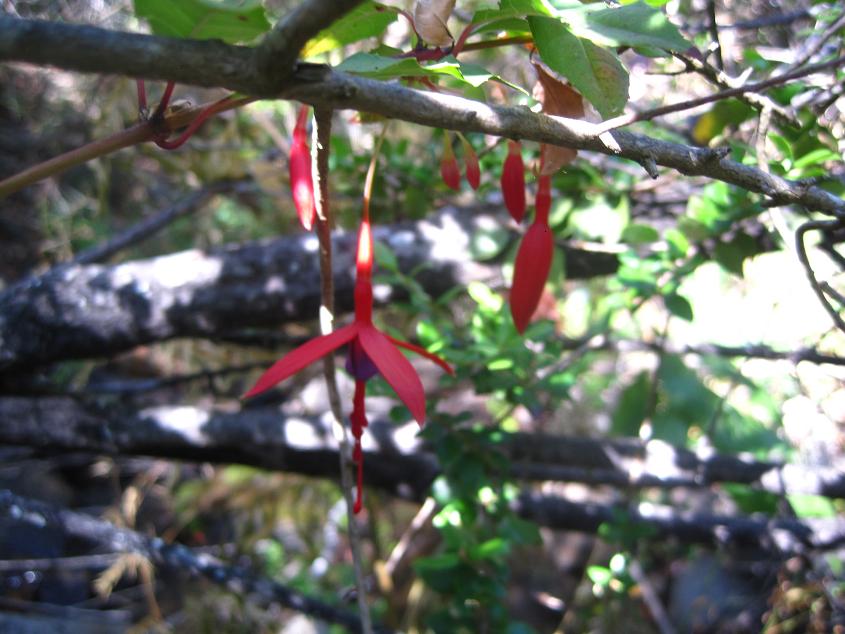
pixel 302 356
pixel 395 369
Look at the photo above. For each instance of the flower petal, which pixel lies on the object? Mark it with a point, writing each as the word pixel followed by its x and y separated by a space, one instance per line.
pixel 395 369
pixel 304 355
pixel 422 352
pixel 530 271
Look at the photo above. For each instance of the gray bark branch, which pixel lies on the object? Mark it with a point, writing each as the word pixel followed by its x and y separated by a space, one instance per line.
pixel 204 63
pixel 79 526
pixel 263 437
pixel 84 311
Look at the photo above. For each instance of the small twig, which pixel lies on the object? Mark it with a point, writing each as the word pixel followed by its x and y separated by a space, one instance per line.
pixel 150 226
pixel 801 250
pixel 775 19
pixel 713 27
pixel 647 115
pixel 651 598
pixel 321 142
pixel 138 133
pixel 807 54
pixel 87 529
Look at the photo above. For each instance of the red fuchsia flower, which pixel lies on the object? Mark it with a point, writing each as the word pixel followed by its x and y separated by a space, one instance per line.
pixel 513 181
pixel 299 166
pixel 449 169
pixel 473 172
pixel 533 260
pixel 370 352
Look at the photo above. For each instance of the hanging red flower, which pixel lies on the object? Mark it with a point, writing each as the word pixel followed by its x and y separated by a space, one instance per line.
pixel 533 260
pixel 299 167
pixel 370 351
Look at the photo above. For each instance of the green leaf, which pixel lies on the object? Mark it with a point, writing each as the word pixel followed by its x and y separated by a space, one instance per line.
pixel 232 21
pixel 632 407
pixel 380 67
pixel 599 575
pixel 639 234
pixel 526 7
pixel 814 157
pixel 495 547
pixel 721 115
pixel 488 242
pixel 595 72
pixel 811 506
pixel 384 68
pixel 678 305
pixel 367 20
pixel 677 241
pixel 385 257
pixel 732 254
pixel 633 25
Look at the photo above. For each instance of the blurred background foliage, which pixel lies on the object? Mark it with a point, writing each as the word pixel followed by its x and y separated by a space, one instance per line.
pixel 700 263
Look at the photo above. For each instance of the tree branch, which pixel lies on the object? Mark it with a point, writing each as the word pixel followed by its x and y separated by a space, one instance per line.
pixel 79 526
pixel 265 438
pixel 215 64
pixel 400 464
pixel 275 57
pixel 93 311
pixel 150 226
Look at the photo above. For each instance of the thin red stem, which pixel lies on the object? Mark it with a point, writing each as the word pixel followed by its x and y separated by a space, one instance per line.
pixel 215 108
pixel 142 95
pixel 462 39
pixel 165 100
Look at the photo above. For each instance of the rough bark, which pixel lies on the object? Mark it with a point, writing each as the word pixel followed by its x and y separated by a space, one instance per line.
pixel 397 462
pixel 83 311
pixel 103 535
pixel 204 63
pixel 265 438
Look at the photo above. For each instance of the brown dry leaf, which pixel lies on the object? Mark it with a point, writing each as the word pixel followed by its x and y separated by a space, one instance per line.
pixel 561 100
pixel 430 17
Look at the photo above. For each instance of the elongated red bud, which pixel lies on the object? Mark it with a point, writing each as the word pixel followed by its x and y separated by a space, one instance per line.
pixel 530 272
pixel 473 172
pixel 543 202
pixel 513 181
pixel 449 169
pixel 299 165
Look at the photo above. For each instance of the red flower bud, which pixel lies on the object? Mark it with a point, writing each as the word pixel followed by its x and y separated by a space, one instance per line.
pixel 533 260
pixel 473 172
pixel 513 181
pixel 530 271
pixel 299 166
pixel 449 169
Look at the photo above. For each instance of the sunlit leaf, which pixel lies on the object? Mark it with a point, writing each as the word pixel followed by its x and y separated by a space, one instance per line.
pixel 367 20
pixel 229 20
pixel 594 71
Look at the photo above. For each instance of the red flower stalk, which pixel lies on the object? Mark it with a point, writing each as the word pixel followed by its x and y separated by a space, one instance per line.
pixel 473 172
pixel 358 420
pixel 533 260
pixel 370 352
pixel 449 169
pixel 513 181
pixel 299 166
